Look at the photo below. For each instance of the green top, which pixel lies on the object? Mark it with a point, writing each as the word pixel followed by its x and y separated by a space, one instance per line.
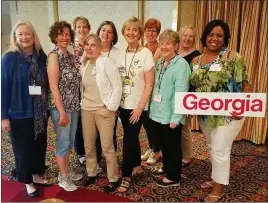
pixel 228 78
pixel 174 78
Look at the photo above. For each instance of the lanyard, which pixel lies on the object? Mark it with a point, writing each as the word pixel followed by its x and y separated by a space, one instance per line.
pixel 109 51
pixel 34 73
pixel 162 72
pixel 127 73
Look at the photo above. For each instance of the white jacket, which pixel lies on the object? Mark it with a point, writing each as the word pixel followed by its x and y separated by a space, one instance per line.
pixel 108 81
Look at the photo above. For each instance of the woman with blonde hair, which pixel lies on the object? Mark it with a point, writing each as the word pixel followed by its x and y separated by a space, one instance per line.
pixel 136 68
pixel 24 104
pixel 186 50
pixel 101 90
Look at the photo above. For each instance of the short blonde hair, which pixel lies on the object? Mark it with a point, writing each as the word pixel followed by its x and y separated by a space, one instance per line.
pixel 170 35
pixel 84 59
pixel 183 28
pixel 133 20
pixel 13 46
pixel 82 18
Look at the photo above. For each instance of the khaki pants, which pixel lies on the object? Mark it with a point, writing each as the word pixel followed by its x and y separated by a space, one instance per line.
pixel 186 139
pixel 103 120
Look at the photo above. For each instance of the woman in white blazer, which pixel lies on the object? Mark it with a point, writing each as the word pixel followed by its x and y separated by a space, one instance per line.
pixel 101 90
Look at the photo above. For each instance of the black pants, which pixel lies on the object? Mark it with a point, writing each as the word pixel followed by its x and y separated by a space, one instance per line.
pixel 170 143
pixel 154 146
pixel 79 141
pixel 131 144
pixel 29 153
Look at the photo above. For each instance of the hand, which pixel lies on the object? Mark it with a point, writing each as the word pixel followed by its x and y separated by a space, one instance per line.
pixel 117 113
pixel 173 125
pixel 247 88
pixel 64 120
pixel 5 125
pixel 135 115
pixel 236 117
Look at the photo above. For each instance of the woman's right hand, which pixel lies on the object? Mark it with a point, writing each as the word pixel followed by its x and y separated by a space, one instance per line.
pixel 64 120
pixel 5 125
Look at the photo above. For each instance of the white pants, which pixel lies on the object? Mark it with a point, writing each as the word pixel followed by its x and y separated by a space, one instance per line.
pixel 220 140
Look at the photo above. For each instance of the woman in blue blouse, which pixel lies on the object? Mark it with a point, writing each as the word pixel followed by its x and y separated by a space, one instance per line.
pixel 172 75
pixel 24 103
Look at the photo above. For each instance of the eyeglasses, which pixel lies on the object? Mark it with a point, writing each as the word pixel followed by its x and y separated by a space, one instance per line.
pixel 151 31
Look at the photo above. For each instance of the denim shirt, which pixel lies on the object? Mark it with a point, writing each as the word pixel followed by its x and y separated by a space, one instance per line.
pixel 16 102
pixel 174 78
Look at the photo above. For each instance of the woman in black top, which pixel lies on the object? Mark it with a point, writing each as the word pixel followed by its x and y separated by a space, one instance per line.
pixel 187 37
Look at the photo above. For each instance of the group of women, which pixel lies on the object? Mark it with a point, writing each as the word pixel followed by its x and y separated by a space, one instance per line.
pixel 87 83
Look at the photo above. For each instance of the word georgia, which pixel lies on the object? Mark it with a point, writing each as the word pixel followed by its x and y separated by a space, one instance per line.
pixel 240 104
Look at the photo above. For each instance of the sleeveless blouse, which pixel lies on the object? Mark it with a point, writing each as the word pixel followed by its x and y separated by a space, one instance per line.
pixel 69 82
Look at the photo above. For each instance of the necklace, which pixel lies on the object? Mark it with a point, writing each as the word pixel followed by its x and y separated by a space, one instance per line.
pixel 127 73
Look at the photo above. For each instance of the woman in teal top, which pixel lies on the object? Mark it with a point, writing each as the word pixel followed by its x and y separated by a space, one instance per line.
pixel 219 70
pixel 172 75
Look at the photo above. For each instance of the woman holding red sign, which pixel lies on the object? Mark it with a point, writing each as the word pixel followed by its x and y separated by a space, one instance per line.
pixel 219 70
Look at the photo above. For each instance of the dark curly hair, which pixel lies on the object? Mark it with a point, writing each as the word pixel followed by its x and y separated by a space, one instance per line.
pixel 115 39
pixel 210 26
pixel 58 27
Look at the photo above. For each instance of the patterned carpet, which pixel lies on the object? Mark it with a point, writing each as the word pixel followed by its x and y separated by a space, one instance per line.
pixel 248 181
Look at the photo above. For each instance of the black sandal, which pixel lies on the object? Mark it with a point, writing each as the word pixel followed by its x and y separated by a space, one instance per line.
pixel 111 187
pixel 125 185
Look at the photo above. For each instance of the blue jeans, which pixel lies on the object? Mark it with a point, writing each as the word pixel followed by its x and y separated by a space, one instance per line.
pixel 65 135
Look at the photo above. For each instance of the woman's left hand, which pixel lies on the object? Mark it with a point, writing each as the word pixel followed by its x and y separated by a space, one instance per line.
pixel 135 115
pixel 172 125
pixel 236 117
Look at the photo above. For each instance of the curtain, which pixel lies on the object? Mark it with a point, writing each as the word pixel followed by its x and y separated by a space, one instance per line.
pixel 253 47
pixel 248 25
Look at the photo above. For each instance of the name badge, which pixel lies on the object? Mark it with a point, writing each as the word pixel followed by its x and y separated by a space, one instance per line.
pixel 95 70
pixel 126 89
pixel 215 67
pixel 35 90
pixel 195 67
pixel 157 98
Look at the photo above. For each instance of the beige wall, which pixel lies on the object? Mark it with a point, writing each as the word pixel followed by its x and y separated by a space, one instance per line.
pixel 99 11
pixel 38 13
pixel 6 25
pixel 41 15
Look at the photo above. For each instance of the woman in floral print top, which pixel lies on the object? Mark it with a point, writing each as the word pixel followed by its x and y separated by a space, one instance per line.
pixel 229 79
pixel 219 70
pixel 64 82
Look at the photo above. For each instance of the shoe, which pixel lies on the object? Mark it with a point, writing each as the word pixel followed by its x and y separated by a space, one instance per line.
pixel 146 155
pixel 161 183
pixel 213 198
pixel 207 185
pixel 111 187
pixel 36 193
pixel 74 176
pixel 184 165
pixel 125 185
pixel 67 184
pixel 88 180
pixel 159 172
pixel 81 160
pixel 14 173
pixel 153 158
pixel 99 169
pixel 37 180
